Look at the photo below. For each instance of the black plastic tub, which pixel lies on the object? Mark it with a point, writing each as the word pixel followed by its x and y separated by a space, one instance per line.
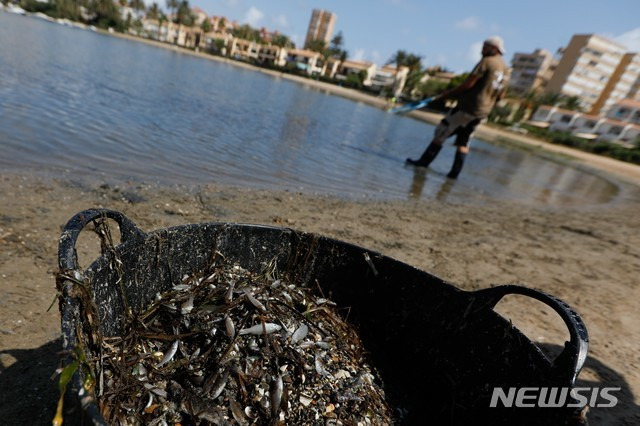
pixel 440 351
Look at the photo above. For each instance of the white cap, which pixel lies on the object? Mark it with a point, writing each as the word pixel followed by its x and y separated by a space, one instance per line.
pixel 497 42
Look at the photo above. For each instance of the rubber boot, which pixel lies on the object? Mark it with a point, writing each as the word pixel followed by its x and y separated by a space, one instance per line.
pixel 427 157
pixel 458 162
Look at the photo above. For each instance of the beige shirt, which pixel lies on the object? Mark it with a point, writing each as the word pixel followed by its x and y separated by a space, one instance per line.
pixel 493 76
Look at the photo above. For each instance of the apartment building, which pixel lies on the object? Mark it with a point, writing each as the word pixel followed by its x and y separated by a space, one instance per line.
pixel 623 84
pixel 389 78
pixel 320 26
pixel 531 71
pixel 621 124
pixel 588 63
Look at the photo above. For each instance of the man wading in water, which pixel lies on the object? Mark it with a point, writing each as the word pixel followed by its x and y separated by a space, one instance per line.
pixel 476 97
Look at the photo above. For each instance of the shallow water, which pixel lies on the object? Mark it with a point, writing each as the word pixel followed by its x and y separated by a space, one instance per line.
pixel 77 102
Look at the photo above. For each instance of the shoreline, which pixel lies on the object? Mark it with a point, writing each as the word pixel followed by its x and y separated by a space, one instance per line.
pixel 626 171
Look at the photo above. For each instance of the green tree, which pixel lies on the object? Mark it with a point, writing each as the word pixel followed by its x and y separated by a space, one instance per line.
pixel 398 59
pixel 137 5
pixel 172 6
pixel 67 9
pixel 499 114
pixel 206 26
pixel 282 41
pixel 246 32
pixel 572 103
pixel 319 46
pixel 335 47
pixel 185 15
pixel 551 99
pixel 355 79
pixel 153 12
pixel 106 15
pixel 414 83
pixel 414 62
pixel 433 87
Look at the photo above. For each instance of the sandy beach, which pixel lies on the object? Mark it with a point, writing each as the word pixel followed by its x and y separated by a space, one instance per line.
pixel 587 256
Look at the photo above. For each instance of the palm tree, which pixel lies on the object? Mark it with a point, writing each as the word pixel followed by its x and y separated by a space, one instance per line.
pixel 185 16
pixel 154 11
pixel 172 5
pixel 282 41
pixel 414 62
pixel 137 5
pixel 572 103
pixel 317 45
pixel 399 58
pixel 206 26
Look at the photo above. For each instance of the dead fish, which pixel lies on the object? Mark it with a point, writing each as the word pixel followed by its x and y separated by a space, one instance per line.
pixel 258 329
pixel 348 396
pixel 251 412
pixel 156 390
pixel 194 355
pixel 275 396
pixel 228 296
pixel 187 306
pixel 231 329
pixel 218 386
pixel 150 401
pixel 255 302
pixel 181 287
pixel 300 333
pixel 238 413
pixel 169 355
pixel 320 367
pixel 323 345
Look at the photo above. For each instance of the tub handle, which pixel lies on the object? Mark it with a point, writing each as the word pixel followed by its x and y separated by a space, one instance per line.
pixel 67 256
pixel 575 352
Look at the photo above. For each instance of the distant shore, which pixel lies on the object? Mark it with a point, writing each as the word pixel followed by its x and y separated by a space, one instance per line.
pixel 626 171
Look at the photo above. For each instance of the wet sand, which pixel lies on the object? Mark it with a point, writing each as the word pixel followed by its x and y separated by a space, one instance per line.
pixel 589 257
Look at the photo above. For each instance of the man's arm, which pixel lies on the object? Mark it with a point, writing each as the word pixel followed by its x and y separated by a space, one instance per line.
pixel 466 85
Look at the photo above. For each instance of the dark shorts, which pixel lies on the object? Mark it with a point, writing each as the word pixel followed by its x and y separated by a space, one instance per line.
pixel 457 123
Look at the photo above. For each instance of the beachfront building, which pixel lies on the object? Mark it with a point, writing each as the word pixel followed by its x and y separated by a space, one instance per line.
pixel 389 79
pixel 623 84
pixel 531 71
pixel 320 26
pixel 170 32
pixel 347 68
pixel 622 123
pixel 588 63
pixel 243 50
pixel 305 60
pixel 199 16
pixel 219 24
pixel 272 55
pixel 626 110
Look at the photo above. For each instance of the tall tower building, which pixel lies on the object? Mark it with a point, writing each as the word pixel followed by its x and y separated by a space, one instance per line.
pixel 320 26
pixel 623 84
pixel 588 63
pixel 531 71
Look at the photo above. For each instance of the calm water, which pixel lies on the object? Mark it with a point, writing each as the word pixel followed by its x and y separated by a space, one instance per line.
pixel 74 101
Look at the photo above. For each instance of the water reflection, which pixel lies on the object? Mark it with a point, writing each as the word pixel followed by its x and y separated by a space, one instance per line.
pixel 443 184
pixel 102 106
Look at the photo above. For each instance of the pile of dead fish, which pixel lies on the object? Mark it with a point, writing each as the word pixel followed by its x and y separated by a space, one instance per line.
pixel 227 346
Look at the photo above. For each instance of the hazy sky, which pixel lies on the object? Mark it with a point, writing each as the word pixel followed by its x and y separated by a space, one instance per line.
pixel 443 32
